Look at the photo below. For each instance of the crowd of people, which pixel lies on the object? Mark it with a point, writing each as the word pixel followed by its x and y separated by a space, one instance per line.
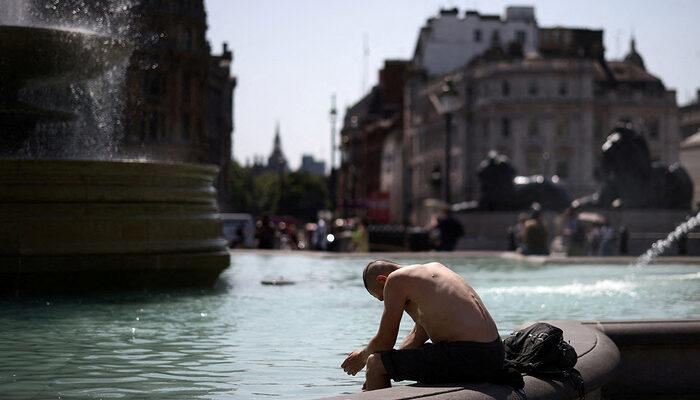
pixel 345 234
pixel 326 234
pixel 576 234
pixel 571 233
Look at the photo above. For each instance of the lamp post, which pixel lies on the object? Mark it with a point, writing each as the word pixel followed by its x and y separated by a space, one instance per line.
pixel 446 103
pixel 332 177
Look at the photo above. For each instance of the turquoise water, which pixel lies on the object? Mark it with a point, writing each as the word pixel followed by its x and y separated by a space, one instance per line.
pixel 246 340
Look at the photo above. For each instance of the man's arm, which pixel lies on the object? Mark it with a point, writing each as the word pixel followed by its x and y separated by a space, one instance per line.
pixel 394 302
pixel 415 338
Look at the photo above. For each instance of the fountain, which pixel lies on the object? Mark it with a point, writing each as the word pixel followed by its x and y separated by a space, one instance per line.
pixel 85 223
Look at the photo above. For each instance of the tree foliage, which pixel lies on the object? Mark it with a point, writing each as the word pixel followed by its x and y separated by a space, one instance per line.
pixel 299 194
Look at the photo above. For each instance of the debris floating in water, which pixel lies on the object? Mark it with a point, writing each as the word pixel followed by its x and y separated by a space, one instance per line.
pixel 281 281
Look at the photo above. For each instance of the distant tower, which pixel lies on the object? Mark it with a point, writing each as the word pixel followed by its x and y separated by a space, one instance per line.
pixel 277 161
pixel 333 115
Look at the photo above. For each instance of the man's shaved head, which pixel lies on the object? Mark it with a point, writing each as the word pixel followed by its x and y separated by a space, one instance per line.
pixel 376 268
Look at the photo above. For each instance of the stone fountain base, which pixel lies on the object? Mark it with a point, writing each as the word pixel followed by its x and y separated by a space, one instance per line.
pixel 70 226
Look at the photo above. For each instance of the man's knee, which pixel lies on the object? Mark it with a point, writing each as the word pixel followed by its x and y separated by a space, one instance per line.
pixel 375 365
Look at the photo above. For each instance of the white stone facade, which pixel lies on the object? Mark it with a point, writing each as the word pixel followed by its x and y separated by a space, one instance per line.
pixel 450 40
pixel 540 114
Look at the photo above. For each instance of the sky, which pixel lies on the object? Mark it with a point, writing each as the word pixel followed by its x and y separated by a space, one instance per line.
pixel 291 56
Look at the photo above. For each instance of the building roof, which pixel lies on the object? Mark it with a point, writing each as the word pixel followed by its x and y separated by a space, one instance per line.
pixel 625 72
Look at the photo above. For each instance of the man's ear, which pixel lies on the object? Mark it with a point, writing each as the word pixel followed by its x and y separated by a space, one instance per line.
pixel 381 278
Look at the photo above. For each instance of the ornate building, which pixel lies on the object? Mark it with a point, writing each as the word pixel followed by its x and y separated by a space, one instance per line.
pixel 179 96
pixel 548 110
pixel 276 161
pixel 450 40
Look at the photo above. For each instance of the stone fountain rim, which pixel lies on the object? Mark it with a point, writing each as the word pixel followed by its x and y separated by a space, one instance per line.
pixel 87 163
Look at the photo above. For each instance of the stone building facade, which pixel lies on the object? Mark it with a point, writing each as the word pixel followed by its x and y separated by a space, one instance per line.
pixel 311 165
pixel 548 111
pixel 690 159
pixel 179 96
pixel 689 117
pixel 450 40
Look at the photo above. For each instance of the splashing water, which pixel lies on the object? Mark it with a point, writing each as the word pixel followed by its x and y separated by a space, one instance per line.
pixel 662 245
pixel 99 103
pixel 13 12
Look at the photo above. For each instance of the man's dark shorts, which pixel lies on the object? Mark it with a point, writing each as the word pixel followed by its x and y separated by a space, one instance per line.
pixel 447 362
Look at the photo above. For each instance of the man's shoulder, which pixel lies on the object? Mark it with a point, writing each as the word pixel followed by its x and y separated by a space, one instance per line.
pixel 418 271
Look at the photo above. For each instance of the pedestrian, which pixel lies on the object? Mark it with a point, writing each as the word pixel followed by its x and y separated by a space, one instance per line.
pixel 360 236
pixel 535 236
pixel 447 230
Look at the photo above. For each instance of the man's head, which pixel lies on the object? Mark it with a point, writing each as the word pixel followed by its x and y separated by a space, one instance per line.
pixel 375 274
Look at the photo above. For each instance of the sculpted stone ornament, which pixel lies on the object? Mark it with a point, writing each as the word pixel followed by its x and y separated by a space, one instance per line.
pixel 632 180
pixel 502 190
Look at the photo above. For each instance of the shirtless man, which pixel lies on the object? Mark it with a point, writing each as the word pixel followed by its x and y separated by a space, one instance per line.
pixel 465 342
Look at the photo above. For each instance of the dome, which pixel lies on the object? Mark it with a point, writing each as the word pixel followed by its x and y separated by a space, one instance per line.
pixel 633 57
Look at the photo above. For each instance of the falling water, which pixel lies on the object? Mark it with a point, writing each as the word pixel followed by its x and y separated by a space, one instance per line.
pixel 99 103
pixel 662 245
pixel 13 12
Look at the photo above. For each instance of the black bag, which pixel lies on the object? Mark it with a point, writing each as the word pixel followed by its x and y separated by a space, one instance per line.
pixel 540 350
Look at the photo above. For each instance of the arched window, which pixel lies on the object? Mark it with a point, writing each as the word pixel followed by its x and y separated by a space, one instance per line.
pixel 505 88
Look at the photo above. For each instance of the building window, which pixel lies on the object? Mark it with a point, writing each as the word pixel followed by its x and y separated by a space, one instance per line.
pixel 153 127
pixel 562 169
pixel 153 83
pixel 532 127
pixel 532 88
pixel 505 127
pixel 505 88
pixel 563 126
pixel 186 89
pixel 477 35
pixel 563 88
pixel 520 37
pixel 188 39
pixel 496 38
pixel 652 127
pixel 534 155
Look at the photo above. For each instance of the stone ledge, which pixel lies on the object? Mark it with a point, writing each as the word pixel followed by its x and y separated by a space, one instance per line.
pixel 597 359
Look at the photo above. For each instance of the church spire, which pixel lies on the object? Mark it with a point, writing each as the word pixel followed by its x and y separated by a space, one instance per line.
pixel 278 143
pixel 277 161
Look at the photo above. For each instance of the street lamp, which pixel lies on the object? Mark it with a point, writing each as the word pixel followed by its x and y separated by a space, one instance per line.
pixel 446 103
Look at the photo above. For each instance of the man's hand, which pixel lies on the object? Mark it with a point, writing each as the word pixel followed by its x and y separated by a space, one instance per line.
pixel 354 362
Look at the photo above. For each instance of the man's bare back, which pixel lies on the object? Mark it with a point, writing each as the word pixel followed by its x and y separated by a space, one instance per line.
pixel 444 304
pixel 446 310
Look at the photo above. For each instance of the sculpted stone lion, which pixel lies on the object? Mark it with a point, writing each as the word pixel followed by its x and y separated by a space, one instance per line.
pixel 501 189
pixel 632 180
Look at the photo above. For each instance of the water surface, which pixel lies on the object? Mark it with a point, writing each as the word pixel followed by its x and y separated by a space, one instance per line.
pixel 246 340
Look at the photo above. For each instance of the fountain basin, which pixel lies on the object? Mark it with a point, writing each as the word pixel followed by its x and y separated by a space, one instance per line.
pixel 69 225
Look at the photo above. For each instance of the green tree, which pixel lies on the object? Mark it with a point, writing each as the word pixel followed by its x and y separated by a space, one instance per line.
pixel 299 194
pixel 303 194
pixel 242 188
